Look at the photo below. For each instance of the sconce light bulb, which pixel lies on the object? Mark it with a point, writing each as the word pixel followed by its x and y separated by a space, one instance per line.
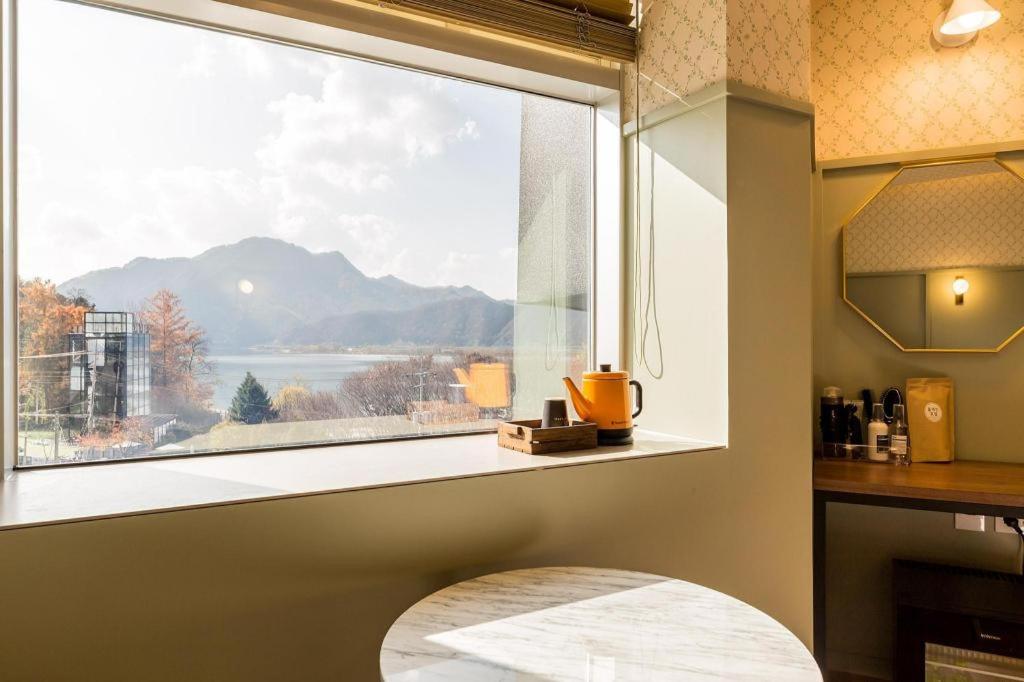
pixel 960 286
pixel 962 21
pixel 970 21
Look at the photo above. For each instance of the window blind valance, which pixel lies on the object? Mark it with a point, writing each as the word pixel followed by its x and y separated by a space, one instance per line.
pixel 599 28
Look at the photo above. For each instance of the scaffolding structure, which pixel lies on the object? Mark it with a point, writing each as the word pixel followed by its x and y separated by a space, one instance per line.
pixel 110 368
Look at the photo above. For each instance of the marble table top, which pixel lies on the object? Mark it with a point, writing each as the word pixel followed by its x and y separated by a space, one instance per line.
pixel 590 625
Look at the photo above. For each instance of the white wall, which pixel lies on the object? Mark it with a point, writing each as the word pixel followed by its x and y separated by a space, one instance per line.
pixel 682 178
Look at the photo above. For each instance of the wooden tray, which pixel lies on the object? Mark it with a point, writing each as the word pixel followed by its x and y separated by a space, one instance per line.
pixel 527 436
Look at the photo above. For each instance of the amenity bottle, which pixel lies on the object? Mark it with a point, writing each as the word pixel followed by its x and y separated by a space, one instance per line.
pixel 878 435
pixel 899 441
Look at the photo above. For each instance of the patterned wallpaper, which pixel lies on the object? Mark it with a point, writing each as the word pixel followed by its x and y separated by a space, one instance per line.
pixel 935 217
pixel 687 45
pixel 881 85
pixel 770 45
pixel 682 51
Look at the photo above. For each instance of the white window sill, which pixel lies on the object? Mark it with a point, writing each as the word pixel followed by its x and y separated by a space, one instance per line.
pixel 68 494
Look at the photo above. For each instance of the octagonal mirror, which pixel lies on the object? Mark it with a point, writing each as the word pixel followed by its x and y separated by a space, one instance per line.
pixel 935 259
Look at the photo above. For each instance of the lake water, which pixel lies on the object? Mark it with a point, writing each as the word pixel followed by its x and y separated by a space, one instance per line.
pixel 318 371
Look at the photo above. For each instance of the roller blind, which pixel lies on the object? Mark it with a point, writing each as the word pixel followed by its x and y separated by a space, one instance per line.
pixel 599 28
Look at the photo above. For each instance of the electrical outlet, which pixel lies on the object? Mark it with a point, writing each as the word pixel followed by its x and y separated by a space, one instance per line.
pixel 972 522
pixel 1003 528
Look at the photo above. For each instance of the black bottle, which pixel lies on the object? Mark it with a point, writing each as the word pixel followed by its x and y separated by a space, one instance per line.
pixel 834 428
pixel 855 432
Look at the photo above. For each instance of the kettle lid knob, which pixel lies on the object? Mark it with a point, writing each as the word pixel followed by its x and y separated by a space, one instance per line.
pixel 606 368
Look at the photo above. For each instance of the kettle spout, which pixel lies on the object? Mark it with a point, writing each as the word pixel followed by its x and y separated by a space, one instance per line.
pixel 584 408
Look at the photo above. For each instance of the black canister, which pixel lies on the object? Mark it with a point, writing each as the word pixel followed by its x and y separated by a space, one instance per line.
pixel 834 425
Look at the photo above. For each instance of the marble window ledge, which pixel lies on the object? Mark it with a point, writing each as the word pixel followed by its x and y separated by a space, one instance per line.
pixel 41 497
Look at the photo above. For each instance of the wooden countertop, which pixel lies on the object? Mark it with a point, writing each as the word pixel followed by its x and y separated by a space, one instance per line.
pixel 989 483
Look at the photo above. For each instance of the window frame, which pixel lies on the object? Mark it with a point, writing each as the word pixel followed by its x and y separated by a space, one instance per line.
pixel 554 76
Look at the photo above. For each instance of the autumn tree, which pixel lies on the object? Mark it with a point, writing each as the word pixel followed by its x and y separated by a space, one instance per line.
pixel 291 402
pixel 387 388
pixel 124 436
pixel 251 404
pixel 45 318
pixel 179 369
pixel 296 403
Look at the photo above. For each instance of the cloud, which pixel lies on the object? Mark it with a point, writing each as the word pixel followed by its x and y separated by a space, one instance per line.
pixel 372 245
pixel 30 163
pixel 362 129
pixel 209 58
pixel 252 55
pixel 202 62
pixel 323 166
pixel 226 202
pixel 458 267
pixel 52 228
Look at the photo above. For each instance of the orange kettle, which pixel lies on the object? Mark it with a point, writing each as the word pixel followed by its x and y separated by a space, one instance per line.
pixel 605 401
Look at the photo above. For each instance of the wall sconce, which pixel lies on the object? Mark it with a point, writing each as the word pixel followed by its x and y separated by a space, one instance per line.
pixel 960 287
pixel 962 21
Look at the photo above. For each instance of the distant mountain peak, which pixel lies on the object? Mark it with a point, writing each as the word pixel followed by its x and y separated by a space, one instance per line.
pixel 291 288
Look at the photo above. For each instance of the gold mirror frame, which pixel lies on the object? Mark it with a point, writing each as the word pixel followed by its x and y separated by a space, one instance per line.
pixel 864 204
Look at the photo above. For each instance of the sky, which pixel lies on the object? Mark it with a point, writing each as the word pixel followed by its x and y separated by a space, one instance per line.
pixel 171 140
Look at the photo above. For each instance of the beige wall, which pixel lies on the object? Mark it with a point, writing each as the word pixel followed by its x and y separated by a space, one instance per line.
pixel 992 312
pixel 753 161
pixel 937 216
pixel 881 85
pixel 682 51
pixel 687 45
pixel 850 353
pixel 920 310
pixel 686 315
pixel 306 588
pixel 896 303
pixel 769 45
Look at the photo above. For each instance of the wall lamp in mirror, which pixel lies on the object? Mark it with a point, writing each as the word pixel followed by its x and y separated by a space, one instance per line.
pixel 960 287
pixel 934 229
pixel 961 22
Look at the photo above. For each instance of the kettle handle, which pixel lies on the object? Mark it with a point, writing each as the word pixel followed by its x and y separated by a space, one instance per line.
pixel 639 396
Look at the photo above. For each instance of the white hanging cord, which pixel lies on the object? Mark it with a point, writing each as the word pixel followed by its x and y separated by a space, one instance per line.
pixel 651 309
pixel 641 324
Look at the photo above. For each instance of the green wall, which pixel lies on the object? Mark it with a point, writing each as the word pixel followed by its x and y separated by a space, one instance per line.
pixel 849 353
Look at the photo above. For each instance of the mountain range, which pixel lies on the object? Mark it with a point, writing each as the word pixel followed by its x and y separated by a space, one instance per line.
pixel 265 292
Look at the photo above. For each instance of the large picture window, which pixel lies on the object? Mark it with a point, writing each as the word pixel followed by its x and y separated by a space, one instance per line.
pixel 225 243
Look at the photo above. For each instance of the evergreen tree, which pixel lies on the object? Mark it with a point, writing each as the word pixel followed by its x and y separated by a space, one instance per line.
pixel 251 404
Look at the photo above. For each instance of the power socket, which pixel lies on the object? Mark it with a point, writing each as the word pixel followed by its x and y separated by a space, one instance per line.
pixel 1003 528
pixel 973 522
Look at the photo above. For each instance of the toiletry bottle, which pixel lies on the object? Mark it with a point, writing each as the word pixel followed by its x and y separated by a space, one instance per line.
pixel 878 435
pixel 899 442
pixel 833 422
pixel 854 428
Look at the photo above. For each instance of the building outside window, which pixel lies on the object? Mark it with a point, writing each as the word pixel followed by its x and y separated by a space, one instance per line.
pixel 109 362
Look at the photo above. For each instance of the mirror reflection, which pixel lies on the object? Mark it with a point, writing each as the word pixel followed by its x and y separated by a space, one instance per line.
pixel 935 260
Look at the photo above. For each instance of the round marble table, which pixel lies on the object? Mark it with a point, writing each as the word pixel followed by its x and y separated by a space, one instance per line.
pixel 592 625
